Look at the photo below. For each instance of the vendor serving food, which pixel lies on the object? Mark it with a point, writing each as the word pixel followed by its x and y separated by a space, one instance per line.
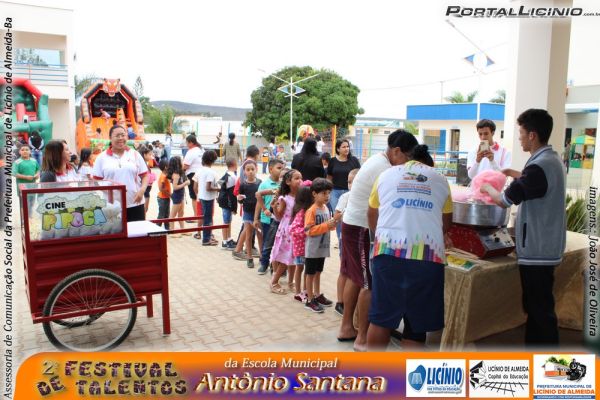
pixel 122 165
pixel 540 228
pixel 488 154
pixel 410 209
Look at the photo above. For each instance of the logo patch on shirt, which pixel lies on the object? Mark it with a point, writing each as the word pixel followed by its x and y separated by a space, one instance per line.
pixel 413 203
pixel 411 176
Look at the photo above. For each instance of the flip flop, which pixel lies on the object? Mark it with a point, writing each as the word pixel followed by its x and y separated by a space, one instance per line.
pixel 346 339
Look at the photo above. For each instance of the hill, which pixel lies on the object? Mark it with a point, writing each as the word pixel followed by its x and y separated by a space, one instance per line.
pixel 227 113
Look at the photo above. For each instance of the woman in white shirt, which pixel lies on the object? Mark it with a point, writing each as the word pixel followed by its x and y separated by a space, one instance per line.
pixel 122 165
pixel 192 164
pixel 56 166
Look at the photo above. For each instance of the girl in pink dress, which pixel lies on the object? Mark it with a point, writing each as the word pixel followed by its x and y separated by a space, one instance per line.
pixel 304 199
pixel 281 255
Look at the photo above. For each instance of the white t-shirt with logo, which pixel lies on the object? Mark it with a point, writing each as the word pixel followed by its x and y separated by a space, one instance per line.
pixel 193 158
pixel 127 169
pixel 502 160
pixel 358 200
pixel 202 177
pixel 411 199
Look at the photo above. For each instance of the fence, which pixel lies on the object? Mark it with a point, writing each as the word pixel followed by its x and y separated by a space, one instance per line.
pixel 43 74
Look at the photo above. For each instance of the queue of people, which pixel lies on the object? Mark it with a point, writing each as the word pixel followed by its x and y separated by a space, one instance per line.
pixel 392 227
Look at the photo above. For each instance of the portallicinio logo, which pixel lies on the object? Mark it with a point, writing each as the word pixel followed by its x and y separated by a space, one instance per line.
pixel 413 203
pixel 510 12
pixel 442 379
pixel 416 379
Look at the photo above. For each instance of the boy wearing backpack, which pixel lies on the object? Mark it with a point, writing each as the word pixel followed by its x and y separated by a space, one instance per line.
pixel 228 202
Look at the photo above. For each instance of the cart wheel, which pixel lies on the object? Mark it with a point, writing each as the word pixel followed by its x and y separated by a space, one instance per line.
pixel 86 290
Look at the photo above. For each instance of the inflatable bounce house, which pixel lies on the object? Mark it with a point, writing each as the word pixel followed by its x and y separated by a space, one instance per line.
pixel 103 105
pixel 29 110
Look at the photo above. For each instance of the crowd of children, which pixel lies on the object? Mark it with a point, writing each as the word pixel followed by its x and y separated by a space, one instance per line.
pixel 286 217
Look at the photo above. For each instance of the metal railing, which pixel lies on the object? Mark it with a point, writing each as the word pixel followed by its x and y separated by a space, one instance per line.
pixel 44 74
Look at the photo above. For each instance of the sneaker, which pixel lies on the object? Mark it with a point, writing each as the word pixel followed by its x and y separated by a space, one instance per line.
pixel 250 263
pixel 238 255
pixel 262 270
pixel 339 308
pixel 301 297
pixel 255 253
pixel 314 306
pixel 232 242
pixel 324 301
pixel 229 246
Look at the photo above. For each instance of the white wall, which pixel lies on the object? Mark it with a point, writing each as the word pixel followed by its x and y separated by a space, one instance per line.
pixel 48 24
pixel 63 120
pixel 585 41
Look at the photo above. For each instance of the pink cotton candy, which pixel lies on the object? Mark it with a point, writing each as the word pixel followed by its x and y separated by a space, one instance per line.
pixel 461 194
pixel 495 178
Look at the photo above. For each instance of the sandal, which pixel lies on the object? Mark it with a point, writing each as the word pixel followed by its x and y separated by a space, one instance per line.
pixel 292 285
pixel 277 289
pixel 197 236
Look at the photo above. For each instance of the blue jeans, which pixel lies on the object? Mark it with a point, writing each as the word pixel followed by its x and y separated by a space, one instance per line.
pixel 333 201
pixel 207 210
pixel 265 253
pixel 37 156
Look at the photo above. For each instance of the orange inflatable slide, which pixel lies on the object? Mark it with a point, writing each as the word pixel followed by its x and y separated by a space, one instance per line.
pixel 102 105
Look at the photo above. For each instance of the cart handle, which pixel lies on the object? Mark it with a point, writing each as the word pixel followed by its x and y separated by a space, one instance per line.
pixel 97 310
pixel 185 230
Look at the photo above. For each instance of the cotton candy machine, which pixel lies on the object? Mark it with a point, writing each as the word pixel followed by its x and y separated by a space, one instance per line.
pixel 479 228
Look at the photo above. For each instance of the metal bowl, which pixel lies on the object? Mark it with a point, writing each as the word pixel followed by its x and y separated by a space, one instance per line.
pixel 479 214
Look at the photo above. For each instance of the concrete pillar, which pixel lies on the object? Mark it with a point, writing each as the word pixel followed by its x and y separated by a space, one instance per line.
pixel 537 74
pixel 596 168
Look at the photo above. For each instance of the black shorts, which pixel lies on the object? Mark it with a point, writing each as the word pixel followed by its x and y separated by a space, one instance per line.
pixel 313 265
pixel 191 186
pixel 410 290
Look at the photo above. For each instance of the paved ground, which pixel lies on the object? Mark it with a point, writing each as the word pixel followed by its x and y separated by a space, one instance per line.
pixel 220 305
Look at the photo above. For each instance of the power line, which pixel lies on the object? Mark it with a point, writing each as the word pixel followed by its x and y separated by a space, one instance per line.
pixel 428 83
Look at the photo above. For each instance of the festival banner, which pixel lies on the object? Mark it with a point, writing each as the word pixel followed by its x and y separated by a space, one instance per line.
pixel 147 375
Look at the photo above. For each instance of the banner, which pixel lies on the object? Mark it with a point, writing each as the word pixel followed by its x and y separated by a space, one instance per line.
pixel 60 376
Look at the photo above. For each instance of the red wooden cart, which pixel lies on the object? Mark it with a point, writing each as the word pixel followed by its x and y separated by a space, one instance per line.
pixel 86 269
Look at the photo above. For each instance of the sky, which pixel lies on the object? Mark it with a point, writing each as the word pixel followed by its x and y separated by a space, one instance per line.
pixel 212 51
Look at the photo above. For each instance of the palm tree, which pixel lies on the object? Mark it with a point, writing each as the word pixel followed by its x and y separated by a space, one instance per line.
pixel 160 120
pixel 458 97
pixel 82 83
pixel 500 97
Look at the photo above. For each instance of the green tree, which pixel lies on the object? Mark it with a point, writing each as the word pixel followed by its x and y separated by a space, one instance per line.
pixel 500 97
pixel 412 128
pixel 159 120
pixel 458 97
pixel 329 100
pixel 29 56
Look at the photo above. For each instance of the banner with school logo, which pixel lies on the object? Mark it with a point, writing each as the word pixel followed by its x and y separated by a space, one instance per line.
pixel 564 376
pixel 435 378
pixel 499 378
